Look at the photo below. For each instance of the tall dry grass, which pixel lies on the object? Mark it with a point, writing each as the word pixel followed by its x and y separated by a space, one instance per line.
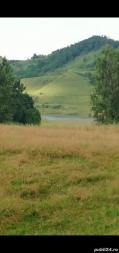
pixel 60 180
pixel 87 140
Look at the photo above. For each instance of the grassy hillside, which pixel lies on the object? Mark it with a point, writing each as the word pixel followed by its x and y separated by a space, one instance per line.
pixel 42 64
pixel 66 90
pixel 61 82
pixel 60 181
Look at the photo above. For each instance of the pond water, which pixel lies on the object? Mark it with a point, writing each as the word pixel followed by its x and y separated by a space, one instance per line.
pixel 67 117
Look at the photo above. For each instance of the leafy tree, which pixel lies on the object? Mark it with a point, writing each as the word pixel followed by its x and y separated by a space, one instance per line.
pixel 25 112
pixel 32 116
pixel 14 104
pixel 34 56
pixel 7 82
pixel 105 97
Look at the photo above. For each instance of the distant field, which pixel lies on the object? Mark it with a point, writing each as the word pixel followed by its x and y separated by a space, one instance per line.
pixel 59 179
pixel 66 90
pixel 60 96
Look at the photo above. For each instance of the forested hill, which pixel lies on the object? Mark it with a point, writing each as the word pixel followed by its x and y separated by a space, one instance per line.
pixel 40 64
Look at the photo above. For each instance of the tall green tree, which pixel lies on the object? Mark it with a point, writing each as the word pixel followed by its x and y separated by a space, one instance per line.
pixel 15 105
pixel 105 97
pixel 7 82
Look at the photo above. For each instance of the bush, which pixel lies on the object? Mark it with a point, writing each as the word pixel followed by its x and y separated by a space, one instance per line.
pixel 32 116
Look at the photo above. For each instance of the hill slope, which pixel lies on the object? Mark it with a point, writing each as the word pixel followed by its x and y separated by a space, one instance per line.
pixel 61 82
pixel 40 65
pixel 66 90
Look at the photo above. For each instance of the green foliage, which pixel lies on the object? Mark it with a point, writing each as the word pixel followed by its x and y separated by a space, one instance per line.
pixel 40 64
pixel 35 56
pixel 14 104
pixel 6 88
pixel 105 97
pixel 32 116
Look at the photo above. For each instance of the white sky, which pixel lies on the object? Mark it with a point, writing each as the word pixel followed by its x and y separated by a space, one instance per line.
pixel 20 38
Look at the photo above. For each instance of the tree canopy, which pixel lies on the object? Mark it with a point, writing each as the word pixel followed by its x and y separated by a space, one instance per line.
pixel 105 97
pixel 15 105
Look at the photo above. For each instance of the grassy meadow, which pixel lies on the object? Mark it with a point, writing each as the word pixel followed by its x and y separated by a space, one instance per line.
pixel 61 178
pixel 66 90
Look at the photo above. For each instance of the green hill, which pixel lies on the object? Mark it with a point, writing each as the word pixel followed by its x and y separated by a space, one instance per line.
pixel 61 82
pixel 66 90
pixel 38 65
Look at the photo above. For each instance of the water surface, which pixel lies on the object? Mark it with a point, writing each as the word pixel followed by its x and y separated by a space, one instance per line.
pixel 67 117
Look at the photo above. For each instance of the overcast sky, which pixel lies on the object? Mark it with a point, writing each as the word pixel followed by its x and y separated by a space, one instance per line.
pixel 20 38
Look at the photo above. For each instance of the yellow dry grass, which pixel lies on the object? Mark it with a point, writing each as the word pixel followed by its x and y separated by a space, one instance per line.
pixel 60 180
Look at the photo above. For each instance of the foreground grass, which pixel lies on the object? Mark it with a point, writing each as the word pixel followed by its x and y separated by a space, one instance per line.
pixel 59 180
